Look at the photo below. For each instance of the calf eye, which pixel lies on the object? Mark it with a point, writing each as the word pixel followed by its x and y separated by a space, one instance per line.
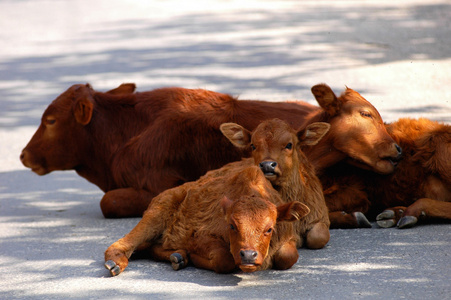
pixel 253 147
pixel 232 227
pixel 289 146
pixel 365 114
pixel 269 230
pixel 50 121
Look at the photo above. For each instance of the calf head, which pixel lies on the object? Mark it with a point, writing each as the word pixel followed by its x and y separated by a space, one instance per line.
pixel 60 136
pixel 276 146
pixel 357 130
pixel 252 222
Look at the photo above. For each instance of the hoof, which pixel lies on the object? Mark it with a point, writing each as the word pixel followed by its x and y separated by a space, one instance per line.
pixel 112 267
pixel 386 219
pixel 177 261
pixel 407 222
pixel 362 221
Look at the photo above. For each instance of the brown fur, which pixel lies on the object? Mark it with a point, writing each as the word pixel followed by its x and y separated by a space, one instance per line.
pixel 294 177
pixel 419 188
pixel 135 145
pixel 193 222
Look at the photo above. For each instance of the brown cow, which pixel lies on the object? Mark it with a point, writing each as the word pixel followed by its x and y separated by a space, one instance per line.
pixel 136 145
pixel 420 188
pixel 196 222
pixel 276 149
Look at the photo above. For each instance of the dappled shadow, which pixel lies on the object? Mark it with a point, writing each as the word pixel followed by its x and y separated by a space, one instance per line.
pixel 210 49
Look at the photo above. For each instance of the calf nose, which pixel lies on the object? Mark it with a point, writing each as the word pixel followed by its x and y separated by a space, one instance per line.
pixel 268 166
pixel 248 256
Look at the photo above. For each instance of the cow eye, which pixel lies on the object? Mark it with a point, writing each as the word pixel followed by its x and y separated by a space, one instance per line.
pixel 365 114
pixel 232 227
pixel 289 146
pixel 253 147
pixel 50 121
pixel 268 231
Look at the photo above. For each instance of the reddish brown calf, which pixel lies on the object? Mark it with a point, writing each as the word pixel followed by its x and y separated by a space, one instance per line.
pixel 196 222
pixel 276 149
pixel 136 145
pixel 420 188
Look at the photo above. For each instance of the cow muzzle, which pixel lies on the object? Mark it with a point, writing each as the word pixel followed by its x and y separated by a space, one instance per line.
pixel 268 168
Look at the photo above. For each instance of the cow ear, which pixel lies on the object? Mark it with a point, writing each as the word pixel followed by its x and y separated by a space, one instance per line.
pixel 239 136
pixel 125 88
pixel 226 203
pixel 313 133
pixel 83 111
pixel 326 99
pixel 291 211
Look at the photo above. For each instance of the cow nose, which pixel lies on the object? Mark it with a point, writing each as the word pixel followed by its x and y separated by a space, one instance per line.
pixel 268 166
pixel 248 256
pixel 22 156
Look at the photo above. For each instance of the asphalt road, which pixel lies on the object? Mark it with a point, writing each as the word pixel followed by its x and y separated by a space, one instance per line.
pixel 52 233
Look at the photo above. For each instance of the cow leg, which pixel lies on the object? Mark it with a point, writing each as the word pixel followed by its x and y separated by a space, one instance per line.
pixel 406 217
pixel 178 258
pixel 125 203
pixel 318 236
pixel 341 219
pixel 389 217
pixel 151 226
pixel 286 256
pixel 216 256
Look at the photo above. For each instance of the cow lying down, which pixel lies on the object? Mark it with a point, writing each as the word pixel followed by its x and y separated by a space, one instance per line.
pixel 420 187
pixel 219 222
pixel 197 222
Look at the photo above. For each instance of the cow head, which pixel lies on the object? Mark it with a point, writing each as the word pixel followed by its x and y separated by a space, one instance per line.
pixel 275 145
pixel 357 130
pixel 252 222
pixel 57 143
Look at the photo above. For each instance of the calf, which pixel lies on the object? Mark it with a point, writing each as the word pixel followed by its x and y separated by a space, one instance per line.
pixel 276 149
pixel 135 145
pixel 196 222
pixel 420 188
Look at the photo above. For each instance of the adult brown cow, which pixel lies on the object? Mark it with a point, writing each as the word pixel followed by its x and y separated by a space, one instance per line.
pixel 420 188
pixel 136 145
pixel 276 149
pixel 196 222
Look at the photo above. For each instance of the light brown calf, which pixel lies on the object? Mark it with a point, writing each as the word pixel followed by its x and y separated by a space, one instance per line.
pixel 276 149
pixel 197 222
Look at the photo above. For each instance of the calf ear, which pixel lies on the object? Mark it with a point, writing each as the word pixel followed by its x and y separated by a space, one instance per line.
pixel 125 88
pixel 226 203
pixel 326 99
pixel 83 104
pixel 83 111
pixel 313 133
pixel 291 211
pixel 239 136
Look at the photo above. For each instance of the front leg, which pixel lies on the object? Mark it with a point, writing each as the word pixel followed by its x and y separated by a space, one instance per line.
pixel 318 236
pixel 214 255
pixel 125 203
pixel 406 217
pixel 286 256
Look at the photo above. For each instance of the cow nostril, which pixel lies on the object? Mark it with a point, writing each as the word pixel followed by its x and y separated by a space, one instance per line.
pixel 273 164
pixel 398 148
pixel 254 254
pixel 22 156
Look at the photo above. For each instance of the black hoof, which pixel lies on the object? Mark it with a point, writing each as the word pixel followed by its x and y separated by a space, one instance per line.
pixel 386 219
pixel 177 261
pixel 407 222
pixel 112 267
pixel 362 221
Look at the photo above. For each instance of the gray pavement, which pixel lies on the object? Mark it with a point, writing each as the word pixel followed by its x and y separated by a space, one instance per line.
pixel 52 233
